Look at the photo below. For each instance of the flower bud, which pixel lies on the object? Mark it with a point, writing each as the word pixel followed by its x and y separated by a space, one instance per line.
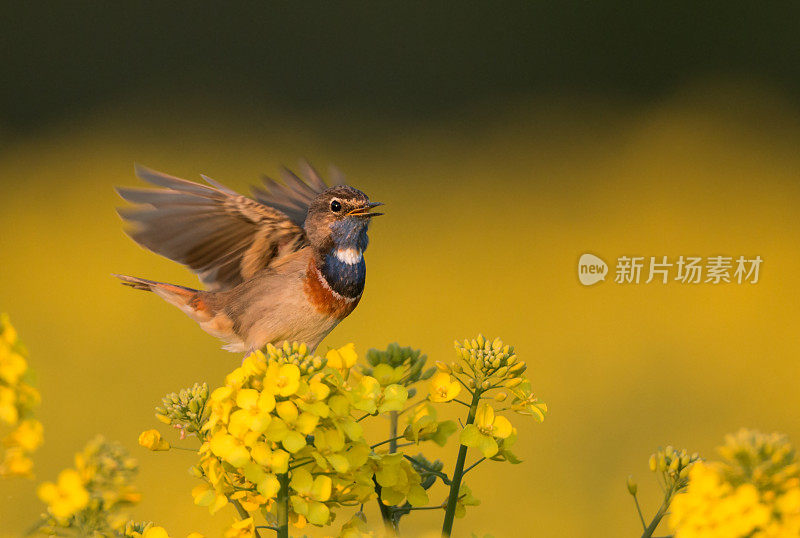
pixel 456 367
pixel 516 366
pixel 500 396
pixel 673 466
pixel 632 486
pixel 442 367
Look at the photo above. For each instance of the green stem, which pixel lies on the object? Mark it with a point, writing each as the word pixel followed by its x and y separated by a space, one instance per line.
pixel 283 506
pixel 662 511
pixel 458 473
pixel 301 463
pixel 393 432
pixel 641 515
pixel 391 441
pixel 390 523
pixel 431 470
pixel 468 469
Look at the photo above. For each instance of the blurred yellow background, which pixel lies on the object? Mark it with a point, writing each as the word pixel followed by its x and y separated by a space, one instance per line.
pixel 487 212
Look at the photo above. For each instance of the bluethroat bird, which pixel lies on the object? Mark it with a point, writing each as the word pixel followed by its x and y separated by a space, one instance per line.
pixel 287 264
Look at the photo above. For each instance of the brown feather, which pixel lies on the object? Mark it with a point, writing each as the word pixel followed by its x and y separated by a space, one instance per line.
pixel 222 236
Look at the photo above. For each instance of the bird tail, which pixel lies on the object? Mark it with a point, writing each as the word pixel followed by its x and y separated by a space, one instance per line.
pixel 189 300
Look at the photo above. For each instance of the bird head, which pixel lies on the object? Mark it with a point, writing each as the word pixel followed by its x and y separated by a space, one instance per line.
pixel 338 218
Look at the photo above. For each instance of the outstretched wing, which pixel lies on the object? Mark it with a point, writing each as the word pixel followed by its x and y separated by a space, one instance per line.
pixel 293 195
pixel 219 234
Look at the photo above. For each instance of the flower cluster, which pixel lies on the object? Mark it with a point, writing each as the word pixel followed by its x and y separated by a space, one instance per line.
pixel 87 499
pixel 18 398
pixel 398 479
pixel 754 491
pixel 283 425
pixel 488 371
pixel 490 364
pixel 672 467
pixel 424 426
pixel 401 365
pixel 282 440
pixel 185 410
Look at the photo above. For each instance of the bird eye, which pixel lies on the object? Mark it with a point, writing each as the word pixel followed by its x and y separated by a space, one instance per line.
pixel 336 206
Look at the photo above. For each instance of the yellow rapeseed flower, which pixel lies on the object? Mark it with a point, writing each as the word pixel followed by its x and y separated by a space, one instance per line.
pixel 229 448
pixel 17 401
pixel 343 358
pixel 67 496
pixel 398 480
pixel 205 495
pixel 312 395
pixel 8 406
pixel 241 529
pixel 152 440
pixel 155 532
pixel 465 498
pixel 12 365
pixel 15 462
pixel 253 413
pixel 444 387
pixel 27 436
pixel 754 492
pixel 487 428
pixel 387 375
pixel 282 380
pixel 310 496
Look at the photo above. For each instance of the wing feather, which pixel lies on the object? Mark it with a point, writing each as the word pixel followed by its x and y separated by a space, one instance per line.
pixel 292 195
pixel 219 234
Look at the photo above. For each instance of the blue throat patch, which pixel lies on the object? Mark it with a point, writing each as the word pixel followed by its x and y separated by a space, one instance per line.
pixel 344 278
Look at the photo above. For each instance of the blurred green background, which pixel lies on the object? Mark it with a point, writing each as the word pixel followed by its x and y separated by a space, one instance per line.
pixel 506 140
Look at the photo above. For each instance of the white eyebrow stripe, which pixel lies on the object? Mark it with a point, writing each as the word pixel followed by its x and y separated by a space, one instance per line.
pixel 350 256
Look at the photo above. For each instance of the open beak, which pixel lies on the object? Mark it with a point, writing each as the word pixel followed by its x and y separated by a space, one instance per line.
pixel 364 211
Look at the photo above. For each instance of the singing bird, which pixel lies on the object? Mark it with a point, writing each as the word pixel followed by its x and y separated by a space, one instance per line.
pixel 287 264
